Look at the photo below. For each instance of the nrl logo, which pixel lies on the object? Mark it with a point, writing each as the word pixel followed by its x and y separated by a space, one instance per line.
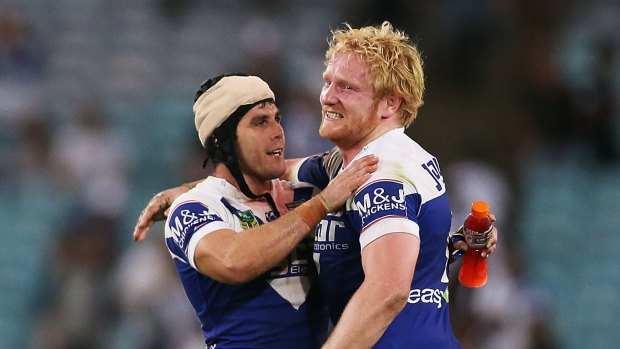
pixel 247 219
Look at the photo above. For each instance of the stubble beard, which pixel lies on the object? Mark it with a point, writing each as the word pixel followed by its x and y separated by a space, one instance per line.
pixel 336 136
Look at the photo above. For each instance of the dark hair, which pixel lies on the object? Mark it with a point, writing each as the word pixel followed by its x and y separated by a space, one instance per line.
pixel 220 145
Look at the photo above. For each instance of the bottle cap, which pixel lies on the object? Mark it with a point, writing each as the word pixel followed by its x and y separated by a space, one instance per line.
pixel 479 209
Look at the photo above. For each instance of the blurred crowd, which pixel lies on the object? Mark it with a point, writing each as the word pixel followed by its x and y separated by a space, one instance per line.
pixel 91 127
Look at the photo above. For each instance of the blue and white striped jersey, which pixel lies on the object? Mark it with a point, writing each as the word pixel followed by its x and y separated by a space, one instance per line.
pixel 406 194
pixel 279 309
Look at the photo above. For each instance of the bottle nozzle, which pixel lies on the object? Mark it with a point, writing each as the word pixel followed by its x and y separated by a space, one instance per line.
pixel 479 209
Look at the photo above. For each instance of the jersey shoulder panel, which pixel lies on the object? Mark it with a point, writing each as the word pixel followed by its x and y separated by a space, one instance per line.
pixel 402 159
pixel 193 215
pixel 318 169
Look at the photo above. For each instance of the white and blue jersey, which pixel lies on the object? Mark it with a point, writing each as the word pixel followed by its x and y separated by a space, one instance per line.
pixel 279 309
pixel 405 194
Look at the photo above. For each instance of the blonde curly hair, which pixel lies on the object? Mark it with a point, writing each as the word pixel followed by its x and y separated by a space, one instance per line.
pixel 394 62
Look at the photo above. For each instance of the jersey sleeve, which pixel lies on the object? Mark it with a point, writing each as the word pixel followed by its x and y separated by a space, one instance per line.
pixel 188 222
pixel 385 206
pixel 318 169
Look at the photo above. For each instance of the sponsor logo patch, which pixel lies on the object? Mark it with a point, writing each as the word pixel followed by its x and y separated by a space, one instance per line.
pixel 427 296
pixel 325 235
pixel 187 218
pixel 380 199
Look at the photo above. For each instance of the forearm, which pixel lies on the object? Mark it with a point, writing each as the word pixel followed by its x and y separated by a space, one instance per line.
pixel 255 252
pixel 389 263
pixel 246 255
pixel 368 314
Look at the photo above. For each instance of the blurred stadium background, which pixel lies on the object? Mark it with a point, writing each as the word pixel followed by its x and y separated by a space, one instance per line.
pixel 522 109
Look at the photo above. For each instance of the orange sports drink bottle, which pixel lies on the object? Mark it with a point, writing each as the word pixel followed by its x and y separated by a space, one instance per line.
pixel 477 230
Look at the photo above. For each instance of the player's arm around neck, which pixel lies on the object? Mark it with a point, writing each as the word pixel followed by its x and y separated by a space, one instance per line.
pixel 389 263
pixel 236 257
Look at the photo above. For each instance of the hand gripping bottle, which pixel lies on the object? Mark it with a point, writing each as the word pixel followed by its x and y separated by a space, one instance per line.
pixel 477 231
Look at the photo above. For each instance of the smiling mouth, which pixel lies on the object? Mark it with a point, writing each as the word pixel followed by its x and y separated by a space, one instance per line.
pixel 277 152
pixel 333 116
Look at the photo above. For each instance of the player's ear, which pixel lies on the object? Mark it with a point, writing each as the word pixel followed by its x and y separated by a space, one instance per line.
pixel 390 104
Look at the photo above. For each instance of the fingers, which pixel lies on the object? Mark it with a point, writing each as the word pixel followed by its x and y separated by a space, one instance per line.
pixel 491 245
pixel 359 171
pixel 358 179
pixel 346 182
pixel 493 239
pixel 149 215
pixel 143 225
pixel 461 245
pixel 363 162
pixel 362 168
pixel 369 162
pixel 486 253
pixel 137 230
pixel 141 230
pixel 157 209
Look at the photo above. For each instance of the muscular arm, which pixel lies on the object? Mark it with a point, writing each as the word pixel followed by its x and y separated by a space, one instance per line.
pixel 389 263
pixel 231 257
pixel 157 207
